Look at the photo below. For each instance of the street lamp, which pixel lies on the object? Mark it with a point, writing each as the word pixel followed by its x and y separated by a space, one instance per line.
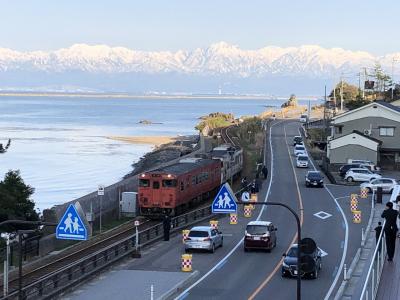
pixel 298 291
pixel 20 235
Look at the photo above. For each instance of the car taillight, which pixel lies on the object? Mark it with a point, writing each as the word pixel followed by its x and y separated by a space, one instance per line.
pixel 207 239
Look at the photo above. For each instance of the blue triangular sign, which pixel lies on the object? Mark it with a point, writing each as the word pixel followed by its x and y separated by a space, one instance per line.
pixel 225 201
pixel 71 226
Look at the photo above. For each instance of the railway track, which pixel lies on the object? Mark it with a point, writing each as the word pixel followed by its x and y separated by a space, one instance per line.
pixel 30 275
pixel 226 137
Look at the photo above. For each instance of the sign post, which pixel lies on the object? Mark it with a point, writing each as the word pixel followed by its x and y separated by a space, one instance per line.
pixel 100 193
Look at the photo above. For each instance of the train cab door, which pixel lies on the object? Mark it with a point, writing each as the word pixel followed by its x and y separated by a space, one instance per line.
pixel 156 184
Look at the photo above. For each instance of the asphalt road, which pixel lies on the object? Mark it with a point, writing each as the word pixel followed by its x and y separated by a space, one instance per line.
pixel 231 273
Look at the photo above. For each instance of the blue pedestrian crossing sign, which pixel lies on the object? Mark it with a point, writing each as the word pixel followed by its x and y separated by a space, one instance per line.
pixel 225 201
pixel 71 226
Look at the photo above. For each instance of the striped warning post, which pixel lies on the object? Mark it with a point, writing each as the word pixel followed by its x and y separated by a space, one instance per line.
pixel 247 211
pixel 364 193
pixel 353 206
pixel 357 216
pixel 186 262
pixel 214 224
pixel 354 197
pixel 233 219
pixel 185 234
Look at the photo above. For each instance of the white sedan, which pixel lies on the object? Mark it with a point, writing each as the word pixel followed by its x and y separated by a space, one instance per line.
pixel 299 149
pixel 360 174
pixel 387 184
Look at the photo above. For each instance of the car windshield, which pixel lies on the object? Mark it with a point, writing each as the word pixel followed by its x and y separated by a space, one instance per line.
pixel 256 229
pixel 314 175
pixel 302 158
pixel 198 233
pixel 299 148
pixel 292 252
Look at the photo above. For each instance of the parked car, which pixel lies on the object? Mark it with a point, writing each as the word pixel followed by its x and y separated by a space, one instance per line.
pixel 343 169
pixel 297 140
pixel 302 161
pixel 260 235
pixel 364 163
pixel 303 119
pixel 360 174
pixel 314 178
pixel 203 238
pixel 299 149
pixel 387 184
pixel 289 264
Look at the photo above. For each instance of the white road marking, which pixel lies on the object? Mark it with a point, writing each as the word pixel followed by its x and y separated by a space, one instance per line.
pixel 346 239
pixel 323 253
pixel 225 258
pixel 322 215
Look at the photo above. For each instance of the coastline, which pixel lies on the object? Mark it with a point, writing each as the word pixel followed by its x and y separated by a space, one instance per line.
pixel 153 140
pixel 168 96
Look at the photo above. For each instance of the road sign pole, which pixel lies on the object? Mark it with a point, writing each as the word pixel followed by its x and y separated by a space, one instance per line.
pixel 101 210
pixel 137 239
pixel 100 192
pixel 298 238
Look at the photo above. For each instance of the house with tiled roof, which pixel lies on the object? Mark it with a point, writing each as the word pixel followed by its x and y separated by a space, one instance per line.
pixel 370 132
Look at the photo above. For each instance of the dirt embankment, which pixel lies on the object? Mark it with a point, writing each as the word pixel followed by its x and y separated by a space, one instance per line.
pixel 164 152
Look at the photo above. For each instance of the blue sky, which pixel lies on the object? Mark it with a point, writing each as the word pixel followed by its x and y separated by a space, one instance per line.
pixel 186 24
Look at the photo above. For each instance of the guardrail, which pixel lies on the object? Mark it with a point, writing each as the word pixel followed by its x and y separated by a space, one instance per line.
pixel 371 284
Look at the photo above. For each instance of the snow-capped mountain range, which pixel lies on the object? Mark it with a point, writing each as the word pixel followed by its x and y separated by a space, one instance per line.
pixel 220 62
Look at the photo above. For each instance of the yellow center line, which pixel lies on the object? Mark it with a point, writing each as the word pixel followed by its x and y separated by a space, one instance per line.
pixel 278 265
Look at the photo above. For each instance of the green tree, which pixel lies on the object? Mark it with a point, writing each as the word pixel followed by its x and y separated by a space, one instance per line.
pixel 350 92
pixel 15 202
pixel 291 102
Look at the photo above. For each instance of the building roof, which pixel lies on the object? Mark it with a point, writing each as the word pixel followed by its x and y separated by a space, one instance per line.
pixel 183 167
pixel 368 137
pixel 389 105
pixel 382 104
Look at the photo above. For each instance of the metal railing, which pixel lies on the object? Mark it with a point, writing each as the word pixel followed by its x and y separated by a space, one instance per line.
pixel 371 284
pixel 60 280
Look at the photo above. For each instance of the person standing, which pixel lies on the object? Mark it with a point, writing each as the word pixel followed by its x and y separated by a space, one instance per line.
pixel 244 182
pixel 378 230
pixel 265 171
pixel 166 226
pixel 390 229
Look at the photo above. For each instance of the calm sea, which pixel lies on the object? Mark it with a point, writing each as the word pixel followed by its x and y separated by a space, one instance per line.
pixel 60 144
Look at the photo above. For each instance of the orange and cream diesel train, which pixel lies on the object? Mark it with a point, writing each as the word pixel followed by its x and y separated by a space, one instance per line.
pixel 176 188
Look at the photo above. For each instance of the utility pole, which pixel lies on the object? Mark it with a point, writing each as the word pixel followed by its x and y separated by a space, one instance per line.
pixel 365 79
pixel 393 61
pixel 341 92
pixel 359 84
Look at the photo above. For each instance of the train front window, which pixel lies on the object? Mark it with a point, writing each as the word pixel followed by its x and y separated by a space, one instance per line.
pixel 144 182
pixel 156 185
pixel 169 183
